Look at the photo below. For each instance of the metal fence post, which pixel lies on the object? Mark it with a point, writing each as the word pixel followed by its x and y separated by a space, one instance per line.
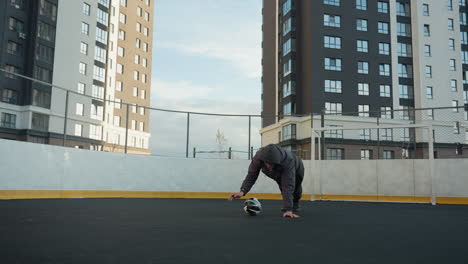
pixel 66 119
pixel 126 128
pixel 188 133
pixel 378 139
pixel 432 167
pixel 250 126
pixel 194 152
pixel 322 136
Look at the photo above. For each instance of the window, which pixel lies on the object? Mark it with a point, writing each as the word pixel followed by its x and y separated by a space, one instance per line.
pixel 425 10
pixel 139 11
pixel 288 67
pixel 81 88
pixel 465 97
pixel 121 34
pixel 332 2
pixel 332 64
pixel 452 65
pixel 99 74
pixel 407 113
pixel 15 25
pixel 388 154
pixel 333 86
pixel 289 88
pixel 288 132
pixel 95 132
pixel 386 134
pixel 135 91
pixel 428 71
pixel 102 17
pixel 363 110
pixel 9 96
pixel 147 2
pixel 138 43
pixel 123 18
pixel 384 48
pixel 97 92
pixel 429 92
pixel 366 154
pixel 136 75
pixel 363 88
pixel 450 24
pixel 287 109
pixel 404 50
pixel 382 7
pixel 465 57
pixel 79 109
pixel 455 106
pixel 405 70
pixel 331 20
pixel 138 27
pixel 403 29
pixel 123 2
pixel 42 74
pixel 363 67
pixel 146 31
pixel 118 104
pixel 287 26
pixel 145 47
pixel 96 111
pixel 100 54
pixel 362 45
pixel 134 108
pixel 137 59
pixel 8 120
pixel 120 51
pixel 40 122
pixel 48 9
pixel 143 94
pixel 120 68
pixel 463 18
pixel 386 112
pixel 145 63
pixel 464 37
pixel 384 69
pixel 117 121
pixel 119 86
pixel 453 85
pixel 406 91
pixel 338 133
pixel 361 25
pixel 142 126
pixel 84 48
pixel 427 30
pixel 430 114
pixel 14 48
pixel 382 27
pixel 18 4
pixel 101 35
pixel 45 31
pixel 361 4
pixel 287 47
pixel 332 42
pixel 84 28
pixel 427 50
pixel 83 68
pixel 449 5
pixel 86 9
pixel 402 9
pixel 334 154
pixel 333 108
pixel 385 90
pixel 286 7
pixel 78 130
pixel 365 134
pixel 142 109
pixel 143 78
pixel 104 2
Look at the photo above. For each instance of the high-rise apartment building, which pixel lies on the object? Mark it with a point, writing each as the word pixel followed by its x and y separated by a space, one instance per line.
pixel 90 50
pixel 367 57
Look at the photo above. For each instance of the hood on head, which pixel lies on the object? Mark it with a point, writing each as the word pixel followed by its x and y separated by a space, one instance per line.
pixel 271 154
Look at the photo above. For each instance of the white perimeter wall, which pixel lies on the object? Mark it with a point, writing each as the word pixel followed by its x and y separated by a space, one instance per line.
pixel 28 166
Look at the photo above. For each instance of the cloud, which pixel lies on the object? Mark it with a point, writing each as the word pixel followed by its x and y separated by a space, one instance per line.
pixel 169 129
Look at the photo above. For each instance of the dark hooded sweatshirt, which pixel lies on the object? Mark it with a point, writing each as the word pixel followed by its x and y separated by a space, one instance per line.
pixel 285 165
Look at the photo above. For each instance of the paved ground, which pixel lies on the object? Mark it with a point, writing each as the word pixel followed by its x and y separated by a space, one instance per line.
pixel 216 231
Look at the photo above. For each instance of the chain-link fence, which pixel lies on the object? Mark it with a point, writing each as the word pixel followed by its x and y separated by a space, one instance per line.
pixel 94 118
pixel 120 120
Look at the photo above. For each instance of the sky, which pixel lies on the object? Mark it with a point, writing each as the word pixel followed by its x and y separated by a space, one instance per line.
pixel 206 58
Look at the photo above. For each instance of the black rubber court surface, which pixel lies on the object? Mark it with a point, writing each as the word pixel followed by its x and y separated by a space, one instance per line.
pixel 217 231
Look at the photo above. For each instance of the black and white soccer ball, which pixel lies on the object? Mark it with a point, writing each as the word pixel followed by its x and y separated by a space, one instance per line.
pixel 252 206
